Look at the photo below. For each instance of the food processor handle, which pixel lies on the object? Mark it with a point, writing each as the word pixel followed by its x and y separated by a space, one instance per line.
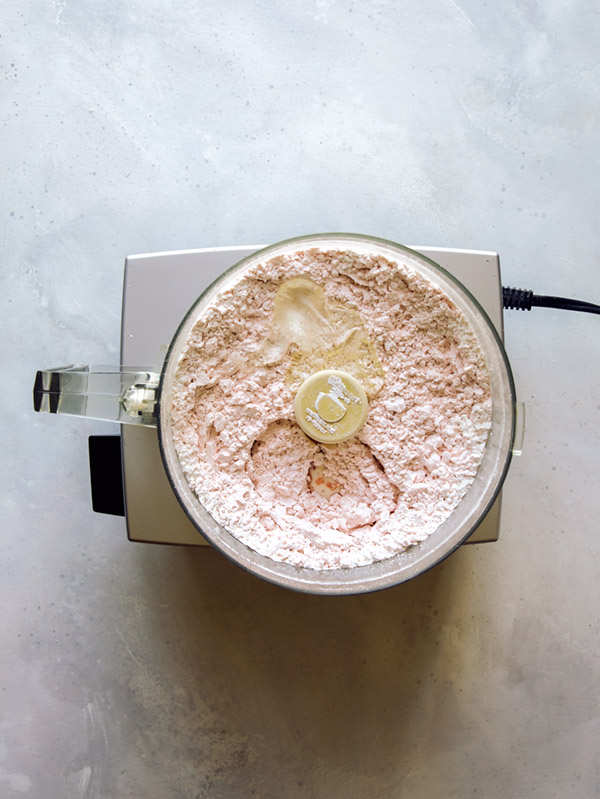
pixel 115 394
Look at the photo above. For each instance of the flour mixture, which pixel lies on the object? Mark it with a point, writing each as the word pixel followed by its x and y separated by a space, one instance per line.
pixel 384 489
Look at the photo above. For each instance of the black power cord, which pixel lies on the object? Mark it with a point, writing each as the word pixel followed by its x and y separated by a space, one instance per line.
pixel 524 300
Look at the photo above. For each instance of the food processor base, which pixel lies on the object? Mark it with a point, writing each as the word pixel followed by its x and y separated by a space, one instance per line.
pixel 158 290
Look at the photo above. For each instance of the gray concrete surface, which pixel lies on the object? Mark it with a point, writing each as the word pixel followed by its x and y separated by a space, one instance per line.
pixel 132 670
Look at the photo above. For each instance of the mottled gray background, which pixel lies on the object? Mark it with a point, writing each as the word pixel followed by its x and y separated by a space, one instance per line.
pixel 132 670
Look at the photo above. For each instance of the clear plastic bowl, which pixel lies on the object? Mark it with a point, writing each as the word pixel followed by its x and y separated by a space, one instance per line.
pixel 457 527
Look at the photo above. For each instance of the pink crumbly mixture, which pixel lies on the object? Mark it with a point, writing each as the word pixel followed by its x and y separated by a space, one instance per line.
pixel 391 485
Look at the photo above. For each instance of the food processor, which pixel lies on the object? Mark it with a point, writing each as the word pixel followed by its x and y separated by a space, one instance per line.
pixel 161 507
